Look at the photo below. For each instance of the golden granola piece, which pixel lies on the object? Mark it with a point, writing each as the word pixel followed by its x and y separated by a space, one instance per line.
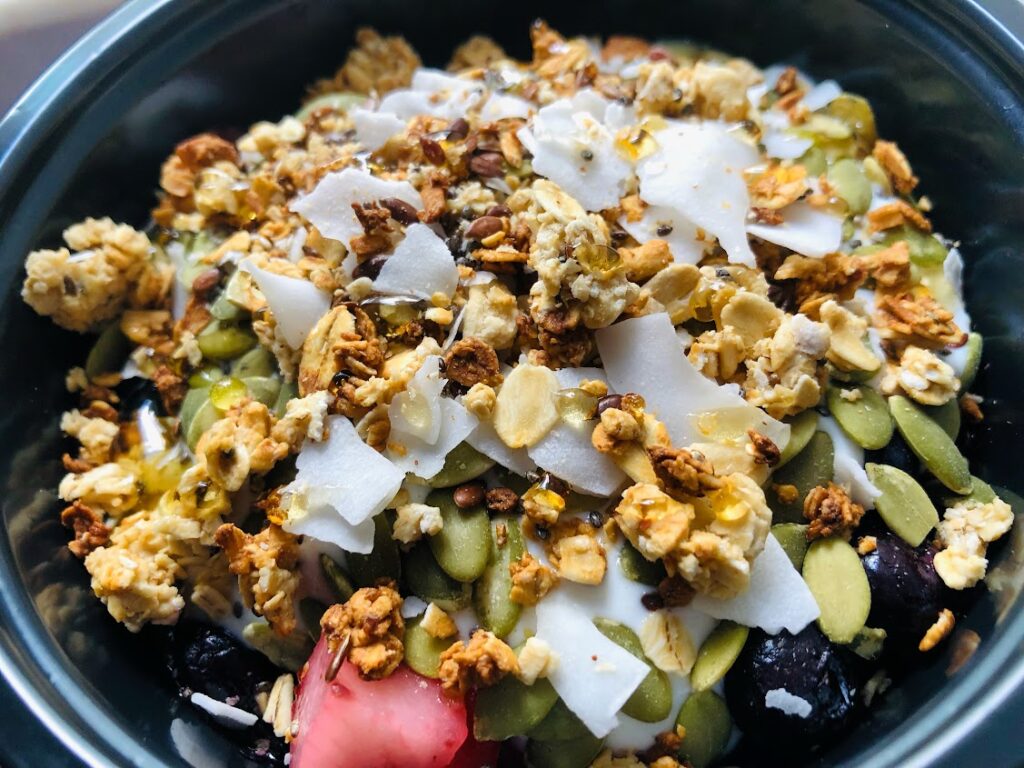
pixel 97 436
pixel 925 378
pixel 304 417
pixel 372 622
pixel 575 552
pixel 239 444
pixel 341 353
pixel 490 315
pixel 918 319
pixel 437 623
pixel 376 65
pixel 616 429
pixel 107 268
pixel 413 521
pixel 536 660
pixel 831 512
pixel 112 488
pixel 480 401
pixel 531 580
pixel 90 532
pixel 778 186
pixel 896 214
pixel 646 260
pixel 938 631
pixel 847 349
pixel 889 267
pixel 965 532
pixel 718 354
pixel 480 664
pixel 837 275
pixel 896 166
pixel 762 449
pixel 472 361
pixel 785 374
pixel 476 53
pixel 719 90
pixel 653 521
pixel 753 317
pixel 266 567
pixel 683 473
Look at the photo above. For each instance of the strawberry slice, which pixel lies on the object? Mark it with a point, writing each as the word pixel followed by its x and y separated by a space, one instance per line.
pixel 476 754
pixel 402 721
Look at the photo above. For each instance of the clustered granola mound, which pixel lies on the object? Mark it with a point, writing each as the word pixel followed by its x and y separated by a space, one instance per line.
pixel 597 293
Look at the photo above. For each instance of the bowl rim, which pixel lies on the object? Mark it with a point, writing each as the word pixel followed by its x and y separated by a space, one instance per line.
pixel 990 37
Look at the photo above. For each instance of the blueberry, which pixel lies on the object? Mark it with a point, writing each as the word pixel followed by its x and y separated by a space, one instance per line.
pixel 906 592
pixel 896 454
pixel 805 665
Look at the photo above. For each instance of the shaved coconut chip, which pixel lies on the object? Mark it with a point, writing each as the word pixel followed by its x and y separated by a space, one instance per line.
pixel 500 106
pixel 791 704
pixel 681 238
pixel 297 304
pixel 644 355
pixel 412 606
pixel 436 93
pixel 804 229
pixel 848 465
pixel 486 440
pixel 573 146
pixel 777 598
pixel 375 128
pixel 821 95
pixel 296 244
pixel 323 523
pixel 594 676
pixel 329 206
pixel 416 411
pixel 346 474
pixel 423 459
pixel 225 714
pixel 421 266
pixel 698 171
pixel 785 146
pixel 567 452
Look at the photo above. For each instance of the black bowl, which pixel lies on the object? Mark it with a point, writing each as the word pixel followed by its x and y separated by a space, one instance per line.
pixel 947 82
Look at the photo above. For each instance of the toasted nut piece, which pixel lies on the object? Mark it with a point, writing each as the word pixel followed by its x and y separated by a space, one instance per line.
pixel 525 410
pixel 938 631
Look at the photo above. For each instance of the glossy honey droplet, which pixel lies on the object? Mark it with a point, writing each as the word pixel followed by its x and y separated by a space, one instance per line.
pixel 601 261
pixel 416 411
pixel 226 393
pixel 636 143
pixel 575 406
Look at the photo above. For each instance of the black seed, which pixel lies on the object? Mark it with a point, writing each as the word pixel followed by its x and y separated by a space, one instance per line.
pixel 370 267
pixel 664 230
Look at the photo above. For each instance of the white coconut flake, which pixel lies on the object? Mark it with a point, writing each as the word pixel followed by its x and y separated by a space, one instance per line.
pixel 572 145
pixel 421 266
pixel 848 465
pixel 486 440
pixel 424 459
pixel 225 714
pixel 663 223
pixel 776 599
pixel 500 106
pixel 785 146
pixel 644 355
pixel 698 171
pixel 594 676
pixel 416 411
pixel 374 128
pixel 296 244
pixel 567 451
pixel 804 229
pixel 297 304
pixel 821 95
pixel 346 474
pixel 791 704
pixel 433 92
pixel 329 206
pixel 412 606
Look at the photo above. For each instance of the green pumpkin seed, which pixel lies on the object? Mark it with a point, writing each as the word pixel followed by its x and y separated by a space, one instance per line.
pixel 339 101
pixel 463 545
pixel 422 650
pixel 311 610
pixel 801 429
pixel 638 568
pixel 289 652
pixel 815 161
pixel 868 643
pixel 205 377
pixel 205 416
pixel 264 389
pixel 931 445
pixel 975 344
pixel 946 416
pixel 424 578
pixel 836 578
pixel 849 377
pixel 494 608
pixel 336 578
pixel 288 391
pixel 383 562
pixel 255 362
pixel 717 654
pixel 925 250
pixel 792 537
pixel 462 464
pixel 708 725
pixel 866 420
pixel 810 468
pixel 981 492
pixel 904 505
pixel 108 353
pixel 224 342
pixel 571 753
pixel 847 178
pixel 652 700
pixel 560 724
pixel 511 708
pixel 225 309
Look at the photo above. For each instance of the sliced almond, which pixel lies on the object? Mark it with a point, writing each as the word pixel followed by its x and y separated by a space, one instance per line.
pixel 667 643
pixel 525 410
